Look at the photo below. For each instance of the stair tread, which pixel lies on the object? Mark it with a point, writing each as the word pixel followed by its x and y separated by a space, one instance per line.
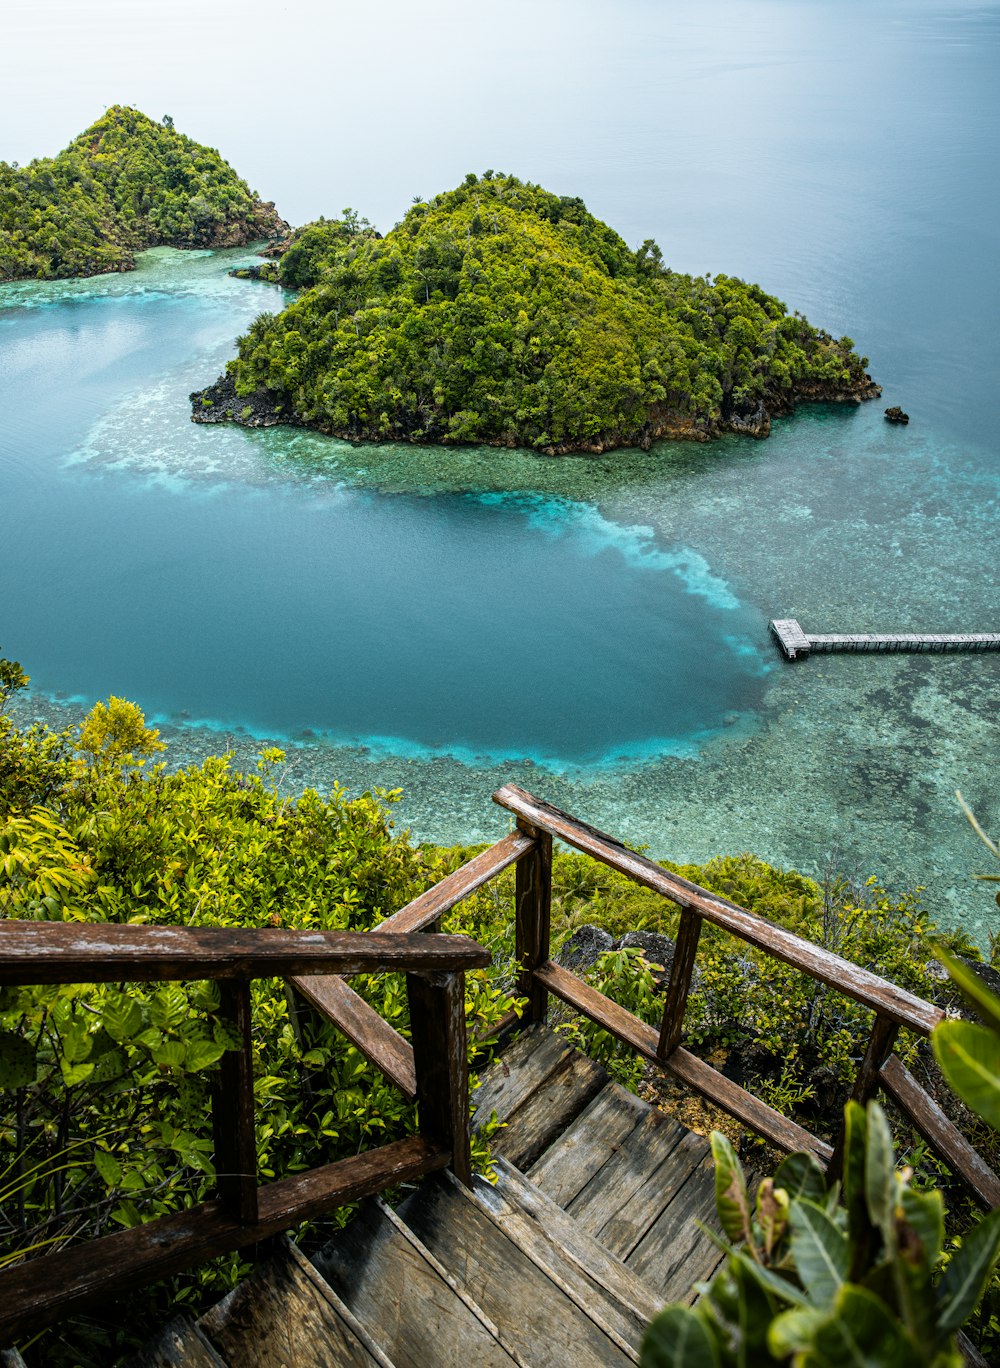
pixel 570 1162
pixel 517 1072
pixel 544 1228
pixel 285 1315
pixel 674 1253
pixel 550 1108
pixel 533 1308
pixel 180 1344
pixel 410 1305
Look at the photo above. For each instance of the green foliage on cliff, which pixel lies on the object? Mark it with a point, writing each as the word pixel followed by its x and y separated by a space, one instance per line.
pixel 501 313
pixel 125 184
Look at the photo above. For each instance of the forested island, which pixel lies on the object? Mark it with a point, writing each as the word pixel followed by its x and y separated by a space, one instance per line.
pixel 499 313
pixel 125 184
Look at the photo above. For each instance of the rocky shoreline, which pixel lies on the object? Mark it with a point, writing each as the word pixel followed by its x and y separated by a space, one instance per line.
pixel 219 403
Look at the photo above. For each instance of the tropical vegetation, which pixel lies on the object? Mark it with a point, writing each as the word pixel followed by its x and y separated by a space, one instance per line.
pixel 501 313
pixel 124 184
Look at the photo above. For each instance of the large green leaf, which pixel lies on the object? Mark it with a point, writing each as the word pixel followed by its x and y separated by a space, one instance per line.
pixel 17 1061
pixel 855 1143
pixel 769 1280
pixel 862 1333
pixel 820 1251
pixel 801 1175
pixel 972 987
pixel 969 1056
pixel 880 1173
pixel 924 1214
pixel 678 1338
pixel 793 1331
pixel 731 1199
pixel 968 1273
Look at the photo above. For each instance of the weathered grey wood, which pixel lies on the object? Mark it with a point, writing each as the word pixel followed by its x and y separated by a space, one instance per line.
pixel 533 1310
pixel 517 1072
pixel 571 1161
pixel 411 1305
pixel 10 1358
pixel 180 1344
pixel 549 1109
pixel 233 1110
pixel 849 979
pixel 532 919
pixel 111 952
pixel 791 638
pixel 454 887
pixel 285 1314
pixel 440 1061
pixel 112 1265
pixel 337 1001
pixel 627 1195
pixel 681 970
pixel 674 1253
pixel 941 1134
pixel 722 1091
pixel 866 1084
pixel 535 1221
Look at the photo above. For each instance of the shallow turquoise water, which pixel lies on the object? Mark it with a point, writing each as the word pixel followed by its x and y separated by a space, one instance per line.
pixel 595 628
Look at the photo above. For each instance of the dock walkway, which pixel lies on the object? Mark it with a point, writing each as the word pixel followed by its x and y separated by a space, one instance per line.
pixel 797 644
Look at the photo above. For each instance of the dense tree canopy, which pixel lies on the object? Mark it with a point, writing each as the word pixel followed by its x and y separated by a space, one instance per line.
pixel 501 313
pixel 125 184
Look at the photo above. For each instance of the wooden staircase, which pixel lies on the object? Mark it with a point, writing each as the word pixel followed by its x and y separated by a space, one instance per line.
pixel 588 1230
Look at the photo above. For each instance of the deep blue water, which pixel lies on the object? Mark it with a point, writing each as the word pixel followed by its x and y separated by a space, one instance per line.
pixel 595 628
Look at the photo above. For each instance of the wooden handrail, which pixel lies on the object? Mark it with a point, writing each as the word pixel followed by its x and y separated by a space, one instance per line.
pixel 74 952
pixel 870 989
pixel 893 1006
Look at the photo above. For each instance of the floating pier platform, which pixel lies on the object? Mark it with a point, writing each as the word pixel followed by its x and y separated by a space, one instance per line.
pixel 797 644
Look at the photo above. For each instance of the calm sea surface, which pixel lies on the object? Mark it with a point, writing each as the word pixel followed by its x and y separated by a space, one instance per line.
pixel 593 628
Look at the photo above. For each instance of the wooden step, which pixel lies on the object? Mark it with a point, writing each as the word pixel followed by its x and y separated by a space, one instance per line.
pixel 286 1316
pixel 569 1164
pixel 416 1311
pixel 538 1312
pixel 180 1344
pixel 515 1074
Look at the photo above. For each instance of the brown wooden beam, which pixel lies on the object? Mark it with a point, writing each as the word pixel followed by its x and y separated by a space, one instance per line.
pixel 850 979
pixel 419 914
pixel 233 1110
pixel 437 1026
pixel 681 970
pixel 379 1042
pixel 866 1084
pixel 35 1293
pixel 532 924
pixel 72 952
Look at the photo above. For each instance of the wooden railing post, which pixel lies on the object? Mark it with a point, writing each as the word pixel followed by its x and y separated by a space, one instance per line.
pixel 232 1109
pixel 866 1085
pixel 533 912
pixel 680 982
pixel 437 1030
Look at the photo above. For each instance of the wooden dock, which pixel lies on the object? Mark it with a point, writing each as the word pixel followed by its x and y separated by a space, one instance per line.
pixel 797 644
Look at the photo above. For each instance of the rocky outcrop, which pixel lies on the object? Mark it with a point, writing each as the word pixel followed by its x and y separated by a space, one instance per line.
pixel 896 415
pixel 220 403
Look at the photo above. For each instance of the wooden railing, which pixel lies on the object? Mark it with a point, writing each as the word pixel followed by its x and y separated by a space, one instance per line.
pixel 431 1067
pixel 35 1292
pixel 892 1006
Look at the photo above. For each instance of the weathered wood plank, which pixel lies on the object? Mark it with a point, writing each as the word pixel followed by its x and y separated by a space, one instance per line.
pixel 529 1215
pixel 428 907
pixel 681 970
pixel 286 1315
pixel 411 1305
pixel 72 952
pixel 364 1027
pixel 516 1073
pixel 233 1110
pixel 571 1161
pixel 180 1344
pixel 547 1112
pixel 627 1195
pixel 850 979
pixel 941 1134
pixel 674 1253
pixel 440 1061
pixel 880 1042
pixel 533 1310
pixel 32 1294
pixel 762 1119
pixel 532 922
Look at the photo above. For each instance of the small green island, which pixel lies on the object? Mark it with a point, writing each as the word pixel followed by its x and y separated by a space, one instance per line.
pixel 125 184
pixel 501 314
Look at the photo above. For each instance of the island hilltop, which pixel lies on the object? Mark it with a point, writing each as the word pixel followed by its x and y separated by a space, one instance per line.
pixel 499 313
pixel 125 184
